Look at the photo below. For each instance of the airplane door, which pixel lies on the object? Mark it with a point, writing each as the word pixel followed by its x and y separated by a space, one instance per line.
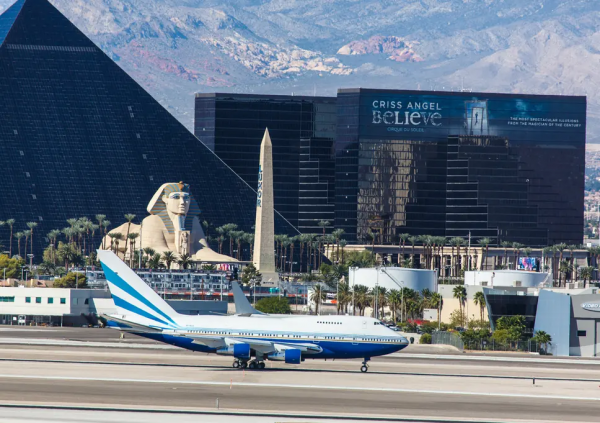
pixel 364 325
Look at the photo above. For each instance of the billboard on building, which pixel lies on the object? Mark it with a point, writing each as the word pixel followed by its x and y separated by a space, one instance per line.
pixel 423 116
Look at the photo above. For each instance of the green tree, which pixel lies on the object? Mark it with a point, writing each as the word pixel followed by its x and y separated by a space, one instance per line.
pixel 168 257
pixel 317 296
pixel 361 298
pixel 360 259
pixel 70 279
pixel 479 299
pixel 155 261
pixel 251 275
pixel 437 301
pixel 460 293
pixel 31 226
pixel 514 325
pixel 485 245
pixel 274 305
pixel 12 265
pixel 542 338
pixel 10 223
pixel 129 217
pixel 586 273
pixel 425 339
pixel 184 261
pixel 458 319
pixel 395 302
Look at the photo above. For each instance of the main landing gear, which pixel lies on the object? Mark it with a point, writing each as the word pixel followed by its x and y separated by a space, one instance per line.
pixel 364 366
pixel 252 364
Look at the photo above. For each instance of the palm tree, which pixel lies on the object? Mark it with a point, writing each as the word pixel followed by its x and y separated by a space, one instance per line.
pixel 132 240
pixel 586 273
pixel 479 299
pixel 118 236
pixel 542 338
pixel 154 262
pixel 413 240
pixel 485 245
pixel 394 301
pixel 560 248
pixel 460 293
pixel 337 234
pixel 149 254
pixel 506 245
pixel 323 224
pixel 10 223
pixel 342 244
pixel 31 226
pixel 317 296
pixel 105 225
pixel 19 235
pixel 53 236
pixel 27 234
pixel 402 239
pixel 238 237
pixel 229 228
pixel 184 261
pixel 129 217
pixel 168 257
pixel 457 242
pixel 564 269
pixel 517 246
pixel 381 294
pixel 437 301
pixel 361 298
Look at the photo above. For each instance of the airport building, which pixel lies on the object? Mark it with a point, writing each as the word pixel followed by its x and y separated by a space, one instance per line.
pixel 80 137
pixel 302 131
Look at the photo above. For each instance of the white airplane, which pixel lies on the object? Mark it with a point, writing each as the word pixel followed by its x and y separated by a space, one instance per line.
pixel 249 336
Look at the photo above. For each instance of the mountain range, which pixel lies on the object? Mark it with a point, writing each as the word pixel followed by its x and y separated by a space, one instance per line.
pixel 175 48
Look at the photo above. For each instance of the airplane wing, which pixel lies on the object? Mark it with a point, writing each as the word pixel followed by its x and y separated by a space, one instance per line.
pixel 261 346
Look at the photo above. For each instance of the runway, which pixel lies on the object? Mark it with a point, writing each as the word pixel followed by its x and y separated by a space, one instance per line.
pixel 394 388
pixel 401 387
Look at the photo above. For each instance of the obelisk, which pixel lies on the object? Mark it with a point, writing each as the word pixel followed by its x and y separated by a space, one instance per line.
pixel 264 235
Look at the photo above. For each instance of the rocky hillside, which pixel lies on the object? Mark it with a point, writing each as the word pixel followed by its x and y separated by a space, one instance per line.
pixel 177 47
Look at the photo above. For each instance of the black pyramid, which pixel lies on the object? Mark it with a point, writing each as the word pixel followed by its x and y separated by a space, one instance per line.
pixel 79 137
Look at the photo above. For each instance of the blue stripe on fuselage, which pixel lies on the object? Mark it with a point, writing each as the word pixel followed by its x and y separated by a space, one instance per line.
pixel 331 349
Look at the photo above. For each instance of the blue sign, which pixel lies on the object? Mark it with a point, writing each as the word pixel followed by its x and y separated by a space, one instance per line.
pixel 260 187
pixel 415 116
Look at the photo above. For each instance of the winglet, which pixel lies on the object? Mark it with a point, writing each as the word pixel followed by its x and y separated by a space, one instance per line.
pixel 242 305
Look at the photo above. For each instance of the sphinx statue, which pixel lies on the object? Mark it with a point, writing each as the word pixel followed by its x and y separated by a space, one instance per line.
pixel 173 225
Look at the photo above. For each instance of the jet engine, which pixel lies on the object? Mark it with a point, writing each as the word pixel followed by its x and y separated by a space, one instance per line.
pixel 236 350
pixel 290 356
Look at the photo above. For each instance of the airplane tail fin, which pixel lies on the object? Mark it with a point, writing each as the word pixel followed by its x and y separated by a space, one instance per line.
pixel 134 299
pixel 242 305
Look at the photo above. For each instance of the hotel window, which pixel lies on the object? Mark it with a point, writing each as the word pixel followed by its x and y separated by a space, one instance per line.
pixel 581 333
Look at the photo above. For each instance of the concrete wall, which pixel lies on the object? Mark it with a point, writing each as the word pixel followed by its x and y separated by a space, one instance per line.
pixel 450 303
pixel 585 316
pixel 417 279
pixel 553 316
pixel 504 278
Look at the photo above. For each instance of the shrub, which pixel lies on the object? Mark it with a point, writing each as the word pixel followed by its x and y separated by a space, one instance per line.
pixel 274 305
pixel 425 339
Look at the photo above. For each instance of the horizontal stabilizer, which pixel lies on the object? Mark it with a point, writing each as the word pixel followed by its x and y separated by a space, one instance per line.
pixel 128 326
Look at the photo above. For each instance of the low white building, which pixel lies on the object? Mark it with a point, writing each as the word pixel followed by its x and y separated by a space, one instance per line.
pixel 508 278
pixel 394 278
pixel 55 306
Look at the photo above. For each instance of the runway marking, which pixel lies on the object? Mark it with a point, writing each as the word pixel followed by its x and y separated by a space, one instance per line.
pixel 289 386
pixel 493 358
pixel 390 373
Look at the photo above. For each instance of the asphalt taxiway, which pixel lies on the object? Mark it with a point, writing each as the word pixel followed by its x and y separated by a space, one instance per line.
pixel 418 387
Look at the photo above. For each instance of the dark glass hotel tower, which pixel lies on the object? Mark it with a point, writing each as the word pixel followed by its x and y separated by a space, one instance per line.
pixel 302 131
pixel 508 167
pixel 80 137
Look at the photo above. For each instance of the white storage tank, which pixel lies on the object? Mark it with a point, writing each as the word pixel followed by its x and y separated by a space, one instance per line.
pixel 417 279
pixel 503 278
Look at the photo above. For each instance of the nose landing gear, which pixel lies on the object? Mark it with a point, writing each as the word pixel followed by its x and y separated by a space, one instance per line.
pixel 364 366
